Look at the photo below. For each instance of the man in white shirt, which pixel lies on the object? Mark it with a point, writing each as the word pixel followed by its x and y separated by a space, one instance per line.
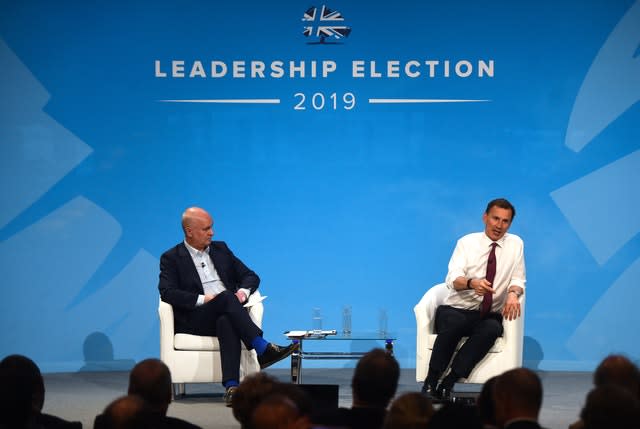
pixel 486 277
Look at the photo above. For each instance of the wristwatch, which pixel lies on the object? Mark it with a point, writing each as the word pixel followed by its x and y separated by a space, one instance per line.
pixel 516 291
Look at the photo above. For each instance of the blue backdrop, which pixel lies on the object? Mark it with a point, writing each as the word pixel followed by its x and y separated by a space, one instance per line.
pixel 341 169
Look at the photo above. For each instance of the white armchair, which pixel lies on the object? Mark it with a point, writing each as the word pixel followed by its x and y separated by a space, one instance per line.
pixel 505 354
pixel 196 359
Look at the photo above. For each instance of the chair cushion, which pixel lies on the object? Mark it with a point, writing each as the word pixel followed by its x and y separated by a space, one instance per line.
pixel 195 342
pixel 498 346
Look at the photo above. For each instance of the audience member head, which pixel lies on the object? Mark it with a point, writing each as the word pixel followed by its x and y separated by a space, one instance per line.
pixel 21 390
pixel 375 379
pixel 300 398
pixel 151 380
pixel 279 411
pixel 618 370
pixel 455 415
pixel 611 406
pixel 250 392
pixel 411 410
pixel 126 412
pixel 517 394
pixel 485 404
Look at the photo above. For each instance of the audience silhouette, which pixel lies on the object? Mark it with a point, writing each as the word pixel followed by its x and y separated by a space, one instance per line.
pixel 126 412
pixel 373 385
pixel 22 395
pixel 511 400
pixel 280 411
pixel 253 389
pixel 618 370
pixel 610 406
pixel 614 370
pixel 486 406
pixel 150 380
pixel 455 415
pixel 411 410
pixel 517 396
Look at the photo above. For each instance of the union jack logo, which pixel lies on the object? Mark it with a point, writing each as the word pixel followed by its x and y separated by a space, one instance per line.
pixel 324 24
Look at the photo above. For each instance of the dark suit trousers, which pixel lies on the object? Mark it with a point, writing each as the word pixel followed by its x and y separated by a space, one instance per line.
pixel 451 325
pixel 225 318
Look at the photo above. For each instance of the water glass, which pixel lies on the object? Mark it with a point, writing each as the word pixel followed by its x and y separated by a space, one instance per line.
pixel 346 320
pixel 316 320
pixel 383 321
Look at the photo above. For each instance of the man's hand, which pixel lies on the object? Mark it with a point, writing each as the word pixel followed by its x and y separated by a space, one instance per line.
pixel 208 297
pixel 481 286
pixel 511 309
pixel 241 296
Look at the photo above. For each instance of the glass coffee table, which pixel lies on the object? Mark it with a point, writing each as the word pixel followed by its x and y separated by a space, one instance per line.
pixel 331 337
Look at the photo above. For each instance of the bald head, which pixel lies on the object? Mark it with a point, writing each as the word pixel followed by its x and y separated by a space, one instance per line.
pixel 151 380
pixel 197 226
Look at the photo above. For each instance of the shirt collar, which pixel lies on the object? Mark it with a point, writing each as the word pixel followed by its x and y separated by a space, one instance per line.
pixel 195 252
pixel 487 241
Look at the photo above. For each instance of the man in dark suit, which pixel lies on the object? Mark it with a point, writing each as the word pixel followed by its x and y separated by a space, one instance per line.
pixel 207 286
pixel 517 397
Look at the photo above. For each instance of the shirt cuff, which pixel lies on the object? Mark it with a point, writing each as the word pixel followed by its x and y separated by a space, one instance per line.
pixel 517 282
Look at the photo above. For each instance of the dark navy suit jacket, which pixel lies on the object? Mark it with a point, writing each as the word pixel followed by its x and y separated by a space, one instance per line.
pixel 180 284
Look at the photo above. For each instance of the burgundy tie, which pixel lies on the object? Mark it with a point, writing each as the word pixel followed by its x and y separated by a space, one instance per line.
pixel 487 298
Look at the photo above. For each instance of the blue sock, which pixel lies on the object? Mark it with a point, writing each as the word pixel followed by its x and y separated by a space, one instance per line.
pixel 259 344
pixel 230 383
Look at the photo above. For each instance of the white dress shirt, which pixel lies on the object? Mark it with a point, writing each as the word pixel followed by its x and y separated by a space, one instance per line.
pixel 209 277
pixel 469 260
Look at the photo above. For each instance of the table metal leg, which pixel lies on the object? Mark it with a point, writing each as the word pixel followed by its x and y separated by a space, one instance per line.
pixel 388 346
pixel 296 365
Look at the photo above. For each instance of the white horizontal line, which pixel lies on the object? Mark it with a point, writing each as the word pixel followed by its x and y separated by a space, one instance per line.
pixel 229 101
pixel 420 100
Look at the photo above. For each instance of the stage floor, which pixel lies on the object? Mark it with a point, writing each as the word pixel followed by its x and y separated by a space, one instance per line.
pixel 82 395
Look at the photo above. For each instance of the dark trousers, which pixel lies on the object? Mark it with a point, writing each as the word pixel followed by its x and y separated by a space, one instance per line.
pixel 451 325
pixel 224 317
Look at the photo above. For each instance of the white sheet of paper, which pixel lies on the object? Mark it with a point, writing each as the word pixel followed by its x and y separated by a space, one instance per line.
pixel 253 300
pixel 296 333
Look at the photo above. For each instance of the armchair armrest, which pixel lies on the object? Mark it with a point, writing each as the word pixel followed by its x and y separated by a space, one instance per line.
pixel 165 311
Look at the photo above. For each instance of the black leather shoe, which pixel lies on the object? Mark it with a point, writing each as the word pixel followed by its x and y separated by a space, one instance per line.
pixel 429 391
pixel 275 353
pixel 443 394
pixel 228 395
pixel 446 387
